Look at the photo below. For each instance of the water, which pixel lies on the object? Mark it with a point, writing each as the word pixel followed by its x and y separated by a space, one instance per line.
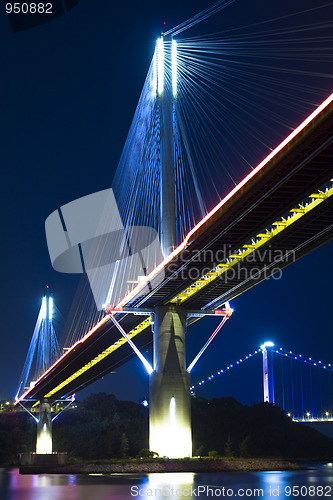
pixel 316 483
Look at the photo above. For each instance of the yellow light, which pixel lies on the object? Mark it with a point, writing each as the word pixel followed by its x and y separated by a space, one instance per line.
pixel 171 440
pixel 142 326
pixel 259 240
pixel 171 437
pixel 44 441
pixel 176 479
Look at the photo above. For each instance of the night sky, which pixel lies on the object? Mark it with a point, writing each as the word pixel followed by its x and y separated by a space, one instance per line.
pixel 68 92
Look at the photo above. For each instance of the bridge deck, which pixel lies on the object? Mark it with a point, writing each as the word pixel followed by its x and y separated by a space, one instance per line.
pixel 287 177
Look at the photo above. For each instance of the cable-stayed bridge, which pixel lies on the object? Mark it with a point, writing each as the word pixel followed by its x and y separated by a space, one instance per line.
pixel 278 212
pixel 312 214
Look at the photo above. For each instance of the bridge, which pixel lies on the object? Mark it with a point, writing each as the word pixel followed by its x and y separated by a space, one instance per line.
pixel 299 385
pixel 276 214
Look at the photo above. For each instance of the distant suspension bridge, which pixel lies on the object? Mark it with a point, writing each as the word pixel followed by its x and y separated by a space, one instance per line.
pixel 301 386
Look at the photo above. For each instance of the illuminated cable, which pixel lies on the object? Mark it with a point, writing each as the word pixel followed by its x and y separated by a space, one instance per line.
pixel 146 364
pixel 191 365
pixel 211 377
pixel 303 359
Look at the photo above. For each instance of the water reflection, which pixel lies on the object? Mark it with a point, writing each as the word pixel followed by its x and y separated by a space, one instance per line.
pixel 174 486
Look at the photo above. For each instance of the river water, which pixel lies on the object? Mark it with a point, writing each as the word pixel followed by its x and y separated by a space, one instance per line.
pixel 315 483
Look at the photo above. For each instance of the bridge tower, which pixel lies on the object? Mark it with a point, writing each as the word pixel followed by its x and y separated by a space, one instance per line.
pixel 267 366
pixel 43 351
pixel 44 424
pixel 166 95
pixel 170 413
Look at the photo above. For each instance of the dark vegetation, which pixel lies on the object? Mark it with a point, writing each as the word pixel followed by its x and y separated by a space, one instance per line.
pixel 261 430
pixel 101 427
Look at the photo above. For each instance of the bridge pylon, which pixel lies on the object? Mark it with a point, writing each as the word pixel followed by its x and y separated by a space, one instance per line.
pixel 267 366
pixel 166 95
pixel 43 351
pixel 169 388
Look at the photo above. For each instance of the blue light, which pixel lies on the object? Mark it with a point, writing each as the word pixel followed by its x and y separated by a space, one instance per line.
pixel 145 403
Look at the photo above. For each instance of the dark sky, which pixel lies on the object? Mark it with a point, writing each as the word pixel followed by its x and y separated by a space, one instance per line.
pixel 68 91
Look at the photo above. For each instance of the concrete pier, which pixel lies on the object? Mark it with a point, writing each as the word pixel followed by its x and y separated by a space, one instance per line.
pixel 169 400
pixel 44 429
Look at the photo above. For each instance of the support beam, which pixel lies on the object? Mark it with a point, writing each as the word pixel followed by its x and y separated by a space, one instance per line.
pixel 44 429
pixel 169 401
pixel 191 313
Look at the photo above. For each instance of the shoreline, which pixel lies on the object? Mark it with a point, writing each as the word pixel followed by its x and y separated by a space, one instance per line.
pixel 147 466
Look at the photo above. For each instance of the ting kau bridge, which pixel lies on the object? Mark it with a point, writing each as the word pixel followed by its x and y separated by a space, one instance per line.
pixel 209 253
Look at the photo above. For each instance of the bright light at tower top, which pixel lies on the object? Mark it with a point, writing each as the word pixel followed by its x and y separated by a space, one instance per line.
pixel 174 67
pixel 267 344
pixel 43 308
pixel 50 308
pixel 160 65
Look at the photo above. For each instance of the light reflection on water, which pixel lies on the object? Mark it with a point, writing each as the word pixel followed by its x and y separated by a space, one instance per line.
pixel 165 486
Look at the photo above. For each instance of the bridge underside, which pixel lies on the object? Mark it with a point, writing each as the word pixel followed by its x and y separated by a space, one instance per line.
pixel 283 195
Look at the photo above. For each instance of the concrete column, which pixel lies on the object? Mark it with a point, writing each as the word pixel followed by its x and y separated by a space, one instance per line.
pixel 44 429
pixel 169 400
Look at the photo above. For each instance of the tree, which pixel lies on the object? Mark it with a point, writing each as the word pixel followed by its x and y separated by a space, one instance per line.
pixel 244 447
pixel 108 443
pixel 145 453
pixel 228 450
pixel 200 451
pixel 123 447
